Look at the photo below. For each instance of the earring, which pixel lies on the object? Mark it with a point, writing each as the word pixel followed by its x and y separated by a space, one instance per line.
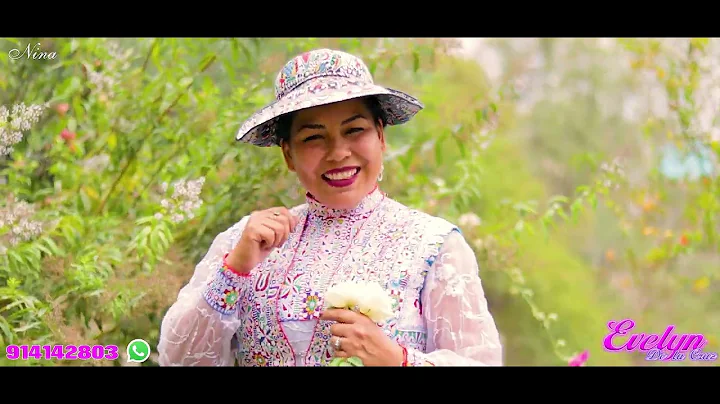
pixel 382 168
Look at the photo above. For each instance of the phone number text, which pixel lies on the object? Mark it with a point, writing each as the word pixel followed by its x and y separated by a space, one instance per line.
pixel 60 352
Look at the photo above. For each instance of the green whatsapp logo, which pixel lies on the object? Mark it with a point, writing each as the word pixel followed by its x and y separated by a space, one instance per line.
pixel 138 350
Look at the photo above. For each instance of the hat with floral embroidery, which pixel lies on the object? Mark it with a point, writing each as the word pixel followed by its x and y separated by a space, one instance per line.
pixel 320 77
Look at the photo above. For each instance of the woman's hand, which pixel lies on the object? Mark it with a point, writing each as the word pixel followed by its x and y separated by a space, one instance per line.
pixel 361 337
pixel 265 230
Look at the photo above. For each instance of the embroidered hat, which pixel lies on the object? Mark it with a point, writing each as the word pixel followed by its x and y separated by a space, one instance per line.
pixel 319 77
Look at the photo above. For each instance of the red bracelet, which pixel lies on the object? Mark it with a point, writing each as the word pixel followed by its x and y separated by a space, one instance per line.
pixel 405 356
pixel 229 268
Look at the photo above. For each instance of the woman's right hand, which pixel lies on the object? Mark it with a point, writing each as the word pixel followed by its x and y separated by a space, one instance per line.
pixel 265 230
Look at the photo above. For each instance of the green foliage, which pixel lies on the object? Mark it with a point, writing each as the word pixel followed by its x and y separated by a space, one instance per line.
pixel 131 169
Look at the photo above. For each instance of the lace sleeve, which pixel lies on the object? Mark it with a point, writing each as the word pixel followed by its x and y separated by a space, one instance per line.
pixel 461 330
pixel 198 328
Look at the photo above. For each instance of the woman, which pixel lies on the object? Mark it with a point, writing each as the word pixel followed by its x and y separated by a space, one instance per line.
pixel 258 293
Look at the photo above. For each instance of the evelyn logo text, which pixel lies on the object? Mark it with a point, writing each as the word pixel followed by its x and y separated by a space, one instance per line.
pixel 665 347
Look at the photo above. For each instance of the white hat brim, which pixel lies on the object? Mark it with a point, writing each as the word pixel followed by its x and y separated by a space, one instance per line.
pixel 260 128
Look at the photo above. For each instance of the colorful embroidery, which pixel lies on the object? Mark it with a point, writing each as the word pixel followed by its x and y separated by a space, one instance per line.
pixel 293 284
pixel 231 296
pixel 312 305
pixel 411 339
pixel 323 76
pixel 223 292
pixel 318 63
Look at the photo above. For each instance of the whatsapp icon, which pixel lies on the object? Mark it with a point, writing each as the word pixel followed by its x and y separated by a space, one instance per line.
pixel 138 350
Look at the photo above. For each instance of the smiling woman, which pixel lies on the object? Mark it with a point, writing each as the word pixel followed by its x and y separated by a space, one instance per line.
pixel 336 150
pixel 263 281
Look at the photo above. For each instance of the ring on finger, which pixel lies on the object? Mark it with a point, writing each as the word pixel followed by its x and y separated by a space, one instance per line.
pixel 276 213
pixel 337 343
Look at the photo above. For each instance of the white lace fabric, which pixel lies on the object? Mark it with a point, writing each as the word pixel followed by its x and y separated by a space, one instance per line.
pixel 192 332
pixel 461 331
pixel 299 333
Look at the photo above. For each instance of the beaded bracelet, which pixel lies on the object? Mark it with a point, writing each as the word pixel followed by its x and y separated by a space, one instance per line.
pixel 407 362
pixel 405 356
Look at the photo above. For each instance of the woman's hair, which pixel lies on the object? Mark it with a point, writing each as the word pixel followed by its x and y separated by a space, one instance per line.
pixel 284 122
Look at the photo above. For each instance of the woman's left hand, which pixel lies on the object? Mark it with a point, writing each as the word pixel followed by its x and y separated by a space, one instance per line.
pixel 361 337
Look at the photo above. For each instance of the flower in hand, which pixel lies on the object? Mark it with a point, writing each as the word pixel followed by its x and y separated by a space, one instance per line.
pixel 369 299
pixel 358 340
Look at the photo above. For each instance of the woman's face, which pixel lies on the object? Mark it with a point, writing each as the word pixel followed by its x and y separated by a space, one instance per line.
pixel 336 151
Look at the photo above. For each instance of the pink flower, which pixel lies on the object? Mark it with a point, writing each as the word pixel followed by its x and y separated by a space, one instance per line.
pixel 62 108
pixel 579 359
pixel 67 135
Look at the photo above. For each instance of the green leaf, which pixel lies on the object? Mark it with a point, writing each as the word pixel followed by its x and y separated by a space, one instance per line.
pixel 562 214
pixel 155 54
pixel 461 147
pixel 185 81
pixel 372 67
pixel 575 209
pixel 392 61
pixel 593 200
pixel 524 208
pixel 336 362
pixel 53 247
pixel 439 151
pixel 6 336
pixel 355 361
pixel 72 125
pixel 558 199
pixel 245 50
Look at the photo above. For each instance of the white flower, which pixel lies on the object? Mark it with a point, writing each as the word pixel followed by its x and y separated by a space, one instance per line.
pixel 369 299
pixel 376 303
pixel 184 200
pixel 343 295
pixel 18 216
pixel 16 121
pixel 96 163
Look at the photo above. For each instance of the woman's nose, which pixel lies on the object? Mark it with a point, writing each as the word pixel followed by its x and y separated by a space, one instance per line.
pixel 338 150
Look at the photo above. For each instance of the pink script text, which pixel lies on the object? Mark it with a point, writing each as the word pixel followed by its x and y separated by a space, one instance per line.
pixel 654 343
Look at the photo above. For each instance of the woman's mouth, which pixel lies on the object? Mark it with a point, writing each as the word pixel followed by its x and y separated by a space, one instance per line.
pixel 341 177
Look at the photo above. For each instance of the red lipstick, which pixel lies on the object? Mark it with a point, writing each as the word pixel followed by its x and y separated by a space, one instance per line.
pixel 344 181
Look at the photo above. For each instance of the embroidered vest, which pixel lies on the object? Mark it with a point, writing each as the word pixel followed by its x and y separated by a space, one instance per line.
pixel 381 241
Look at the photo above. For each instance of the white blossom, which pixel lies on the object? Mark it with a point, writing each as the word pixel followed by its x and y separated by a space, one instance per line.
pixel 614 167
pixel 367 298
pixel 15 121
pixel 96 163
pixel 612 172
pixel 17 217
pixel 103 82
pixel 184 200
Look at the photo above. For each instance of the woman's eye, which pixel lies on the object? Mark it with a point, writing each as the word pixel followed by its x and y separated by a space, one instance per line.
pixel 355 130
pixel 313 137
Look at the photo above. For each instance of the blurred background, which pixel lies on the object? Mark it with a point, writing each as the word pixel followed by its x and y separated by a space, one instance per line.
pixel 582 171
